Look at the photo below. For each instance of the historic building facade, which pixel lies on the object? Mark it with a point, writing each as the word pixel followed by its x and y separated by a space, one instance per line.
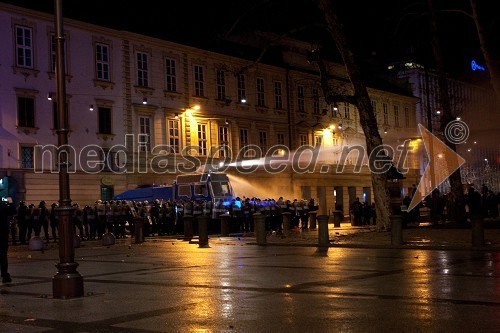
pixel 142 110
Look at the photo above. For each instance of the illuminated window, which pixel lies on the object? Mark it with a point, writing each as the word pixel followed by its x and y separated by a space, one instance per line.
pixel 174 138
pixel 223 141
pixel 202 139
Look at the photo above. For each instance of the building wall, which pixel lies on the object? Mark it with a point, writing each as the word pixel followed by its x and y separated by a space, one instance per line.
pixel 150 108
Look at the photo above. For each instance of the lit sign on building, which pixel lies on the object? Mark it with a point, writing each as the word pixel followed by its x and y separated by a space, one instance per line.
pixel 475 66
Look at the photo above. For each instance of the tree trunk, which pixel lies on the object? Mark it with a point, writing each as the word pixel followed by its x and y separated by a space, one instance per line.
pixel 367 117
pixel 455 199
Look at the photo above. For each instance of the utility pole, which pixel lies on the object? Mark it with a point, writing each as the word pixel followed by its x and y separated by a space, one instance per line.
pixel 67 283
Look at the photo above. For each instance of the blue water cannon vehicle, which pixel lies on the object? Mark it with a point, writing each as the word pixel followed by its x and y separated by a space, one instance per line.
pixel 214 187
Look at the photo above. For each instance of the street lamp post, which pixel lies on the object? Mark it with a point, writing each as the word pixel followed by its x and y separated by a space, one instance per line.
pixel 67 283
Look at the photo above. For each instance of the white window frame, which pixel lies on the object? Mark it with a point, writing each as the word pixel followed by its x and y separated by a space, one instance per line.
pixel 102 62
pixel 202 139
pixel 174 135
pixel 170 74
pixel 278 95
pixel 303 140
pixel 242 95
pixel 301 101
pixel 386 114
pixel 199 81
pixel 224 141
pixel 145 131
pixel 261 96
pixel 24 47
pixel 142 69
pixel 221 84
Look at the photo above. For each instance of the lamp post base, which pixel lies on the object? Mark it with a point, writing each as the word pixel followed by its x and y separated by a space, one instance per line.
pixel 67 283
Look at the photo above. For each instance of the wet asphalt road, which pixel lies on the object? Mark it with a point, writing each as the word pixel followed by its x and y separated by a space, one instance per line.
pixel 167 285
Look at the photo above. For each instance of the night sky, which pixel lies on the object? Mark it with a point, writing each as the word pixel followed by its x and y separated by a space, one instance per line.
pixel 383 31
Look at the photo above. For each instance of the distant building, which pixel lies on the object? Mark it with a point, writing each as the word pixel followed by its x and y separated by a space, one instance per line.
pixel 138 105
pixel 475 105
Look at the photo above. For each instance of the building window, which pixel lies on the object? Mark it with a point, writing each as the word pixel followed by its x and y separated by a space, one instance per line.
pixel 263 141
pixel 24 47
pixel 27 157
pixel 104 118
pixel 243 141
pixel 25 112
pixel 224 141
pixel 241 89
pixel 407 117
pixel 347 111
pixel 374 106
pixel 171 75
pixel 174 137
pixel 280 138
pixel 107 193
pixel 144 134
pixel 55 113
pixel 221 85
pixel 396 115
pixel 303 139
pixel 202 139
pixel 142 69
pixel 386 114
pixel 318 140
pixel 199 81
pixel 102 62
pixel 278 95
pixel 300 99
pixel 260 92
pixel 315 94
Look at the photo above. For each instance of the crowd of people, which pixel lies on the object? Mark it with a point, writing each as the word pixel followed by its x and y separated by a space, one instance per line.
pixel 165 217
pixel 160 217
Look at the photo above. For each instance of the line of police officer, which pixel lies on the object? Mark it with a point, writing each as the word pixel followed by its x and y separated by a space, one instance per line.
pixel 159 217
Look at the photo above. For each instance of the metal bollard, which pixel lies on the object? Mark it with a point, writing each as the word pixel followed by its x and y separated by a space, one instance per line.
pixel 477 231
pixel 77 240
pixel 323 237
pixel 337 218
pixel 188 227
pixel 224 225
pixel 396 230
pixel 260 228
pixel 108 239
pixel 35 244
pixel 286 223
pixel 202 230
pixel 139 230
pixel 312 220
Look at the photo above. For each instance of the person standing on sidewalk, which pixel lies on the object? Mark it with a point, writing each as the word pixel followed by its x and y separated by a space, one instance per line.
pixel 7 210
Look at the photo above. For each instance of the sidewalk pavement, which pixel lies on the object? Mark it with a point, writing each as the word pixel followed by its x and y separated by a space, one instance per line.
pixel 447 236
